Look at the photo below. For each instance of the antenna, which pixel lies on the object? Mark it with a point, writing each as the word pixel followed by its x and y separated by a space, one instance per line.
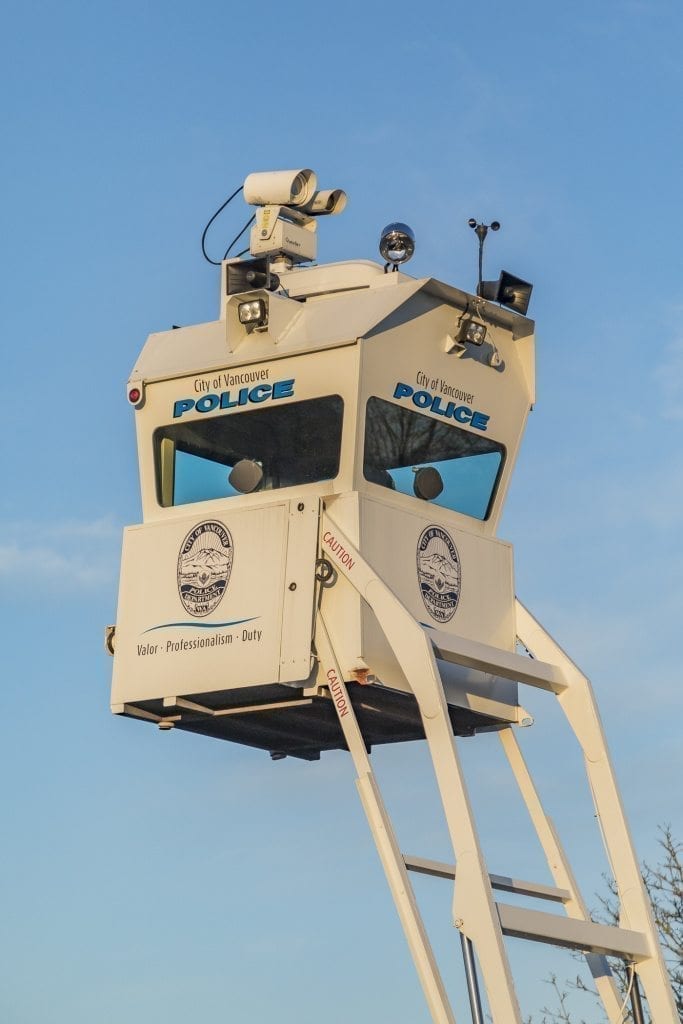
pixel 481 231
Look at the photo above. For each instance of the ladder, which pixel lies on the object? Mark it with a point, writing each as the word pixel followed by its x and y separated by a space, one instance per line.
pixel 482 920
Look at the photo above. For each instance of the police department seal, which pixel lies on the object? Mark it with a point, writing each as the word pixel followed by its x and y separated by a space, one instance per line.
pixel 438 573
pixel 204 566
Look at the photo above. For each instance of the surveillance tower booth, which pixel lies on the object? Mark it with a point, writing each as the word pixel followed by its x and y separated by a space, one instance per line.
pixel 323 470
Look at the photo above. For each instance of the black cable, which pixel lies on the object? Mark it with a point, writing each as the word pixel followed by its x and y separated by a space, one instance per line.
pixel 242 253
pixel 219 210
pixel 237 237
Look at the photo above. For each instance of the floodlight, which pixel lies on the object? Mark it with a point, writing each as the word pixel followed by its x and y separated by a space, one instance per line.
pixel 472 331
pixel 397 243
pixel 253 313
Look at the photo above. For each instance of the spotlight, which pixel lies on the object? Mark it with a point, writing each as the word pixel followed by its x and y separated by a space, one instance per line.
pixel 471 331
pixel 397 244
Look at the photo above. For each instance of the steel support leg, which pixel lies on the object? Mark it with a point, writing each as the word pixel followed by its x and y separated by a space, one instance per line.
pixel 383 834
pixel 474 910
pixel 561 871
pixel 636 1003
pixel 578 703
pixel 475 913
pixel 471 978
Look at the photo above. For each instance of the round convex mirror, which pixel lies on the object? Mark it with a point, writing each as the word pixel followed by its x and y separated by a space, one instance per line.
pixel 246 476
pixel 427 483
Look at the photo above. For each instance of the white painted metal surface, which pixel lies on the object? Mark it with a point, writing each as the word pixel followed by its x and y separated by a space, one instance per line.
pixel 335 607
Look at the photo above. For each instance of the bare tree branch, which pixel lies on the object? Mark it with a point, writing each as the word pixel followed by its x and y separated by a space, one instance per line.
pixel 664 883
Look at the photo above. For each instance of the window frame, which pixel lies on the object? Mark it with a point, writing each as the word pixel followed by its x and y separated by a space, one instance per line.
pixel 462 431
pixel 165 448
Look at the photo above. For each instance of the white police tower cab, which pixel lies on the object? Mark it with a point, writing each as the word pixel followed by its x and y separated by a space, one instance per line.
pixel 323 470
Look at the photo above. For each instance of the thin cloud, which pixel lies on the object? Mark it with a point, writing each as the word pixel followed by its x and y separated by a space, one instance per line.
pixel 70 554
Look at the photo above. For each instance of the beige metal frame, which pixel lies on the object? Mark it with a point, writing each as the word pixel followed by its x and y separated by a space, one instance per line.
pixel 476 914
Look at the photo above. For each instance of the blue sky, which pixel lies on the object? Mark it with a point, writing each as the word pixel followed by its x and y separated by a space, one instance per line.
pixel 154 877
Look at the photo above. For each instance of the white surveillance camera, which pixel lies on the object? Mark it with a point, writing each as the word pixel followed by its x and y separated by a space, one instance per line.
pixel 327 201
pixel 280 188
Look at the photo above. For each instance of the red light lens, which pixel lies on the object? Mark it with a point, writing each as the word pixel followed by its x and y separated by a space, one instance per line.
pixel 134 395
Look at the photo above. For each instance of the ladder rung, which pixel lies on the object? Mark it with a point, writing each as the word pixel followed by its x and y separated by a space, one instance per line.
pixel 441 870
pixel 572 933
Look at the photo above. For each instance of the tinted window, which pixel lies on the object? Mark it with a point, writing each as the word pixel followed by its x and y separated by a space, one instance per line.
pixel 399 442
pixel 297 443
